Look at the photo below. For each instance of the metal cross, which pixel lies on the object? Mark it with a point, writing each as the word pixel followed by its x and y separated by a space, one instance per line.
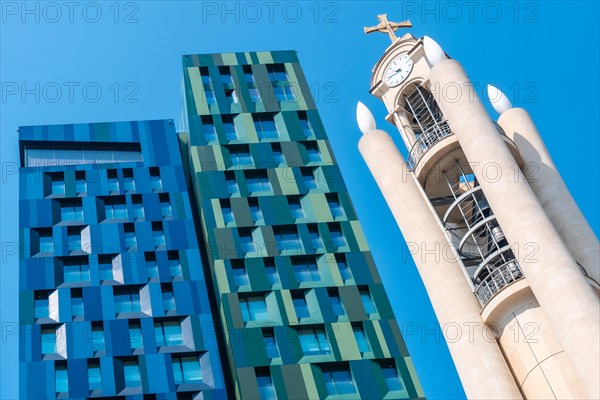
pixel 388 27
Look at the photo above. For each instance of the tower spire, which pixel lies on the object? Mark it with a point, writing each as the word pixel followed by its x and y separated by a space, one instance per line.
pixel 388 27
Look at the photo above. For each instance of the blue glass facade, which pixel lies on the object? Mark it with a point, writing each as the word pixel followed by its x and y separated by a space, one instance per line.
pixel 113 295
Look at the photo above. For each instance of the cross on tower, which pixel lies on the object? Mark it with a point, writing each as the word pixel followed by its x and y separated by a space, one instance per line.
pixel 388 27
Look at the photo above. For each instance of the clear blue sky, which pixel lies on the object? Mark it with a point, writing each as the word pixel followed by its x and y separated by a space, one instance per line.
pixel 544 55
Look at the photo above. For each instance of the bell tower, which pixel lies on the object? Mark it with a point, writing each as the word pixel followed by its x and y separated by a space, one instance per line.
pixel 498 257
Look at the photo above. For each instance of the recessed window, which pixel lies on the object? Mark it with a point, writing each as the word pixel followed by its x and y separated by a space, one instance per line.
pixel 266 389
pixel 131 371
pixel 308 177
pixel 265 126
pixel 76 269
pixel 207 86
pixel 287 238
pixel 46 241
pixel 231 183
pixel 115 207
pixel 336 302
pixel 338 380
pixel 255 211
pixel 40 304
pixel 278 155
pixel 271 271
pixel 270 343
pixel 229 128
pixel 158 234
pixel 390 375
pixel 316 240
pixel 247 244
pixel 208 129
pixel 258 181
pixel 155 179
pixel 174 264
pixel 76 304
pixel 337 236
pixel 130 238
pixel 71 210
pixel 226 212
pixel 97 337
pixel 361 339
pixel 94 375
pixel 168 298
pixel 300 305
pixel 128 181
pixel 312 151
pixel 254 308
pixel 57 181
pixel 337 211
pixel 296 208
pixel 80 183
pixel 367 301
pixel 314 342
pixel 305 125
pixel 137 206
pixel 127 299
pixel 240 155
pixel 251 84
pixel 305 269
pixel 165 205
pixel 61 378
pixel 280 81
pixel 112 180
pixel 135 335
pixel 105 267
pixel 168 333
pixel 49 341
pixel 186 370
pixel 151 265
pixel 343 267
pixel 240 275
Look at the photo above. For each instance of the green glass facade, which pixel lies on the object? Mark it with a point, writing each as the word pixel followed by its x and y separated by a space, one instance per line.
pixel 301 307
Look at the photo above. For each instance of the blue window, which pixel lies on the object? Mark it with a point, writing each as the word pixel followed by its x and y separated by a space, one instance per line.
pixel 94 377
pixel 312 151
pixel 74 238
pixel 337 237
pixel 76 269
pixel 127 300
pixel 208 129
pixel 115 207
pixel 306 270
pixel 231 183
pixel 130 239
pixel 305 124
pixel 280 81
pixel 61 378
pixel 41 303
pixel 296 208
pixel 271 271
pixel 367 301
pixel 287 238
pixel 255 211
pixel 155 179
pixel 46 241
pixel 251 84
pixel 338 380
pixel 336 303
pixel 105 268
pixel 258 181
pixel 128 181
pixel 315 237
pixel 97 338
pixel 168 299
pixel 112 180
pixel 334 206
pixel 266 389
pixel 137 207
pixel 345 271
pixel 308 177
pixel 168 333
pixel 314 342
pixel 158 235
pixel 240 155
pixel 58 182
pixel 265 127
pixel 254 309
pixel 76 306
pixel 186 370
pixel 278 155
pixel 247 244
pixel 135 335
pixel 131 370
pixel 165 205
pixel 49 341
pixel 71 210
pixel 240 275
pixel 361 339
pixel 300 305
pixel 151 265
pixel 174 265
pixel 229 128
pixel 390 375
pixel 227 213
pixel 270 344
pixel 80 183
pixel 207 86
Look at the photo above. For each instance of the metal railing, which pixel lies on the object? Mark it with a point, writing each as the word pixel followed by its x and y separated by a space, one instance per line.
pixel 498 278
pixel 427 140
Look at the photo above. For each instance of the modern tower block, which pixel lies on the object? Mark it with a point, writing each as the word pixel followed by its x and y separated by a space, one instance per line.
pixel 507 258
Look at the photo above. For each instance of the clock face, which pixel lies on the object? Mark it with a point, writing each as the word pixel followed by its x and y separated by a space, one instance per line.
pixel 398 70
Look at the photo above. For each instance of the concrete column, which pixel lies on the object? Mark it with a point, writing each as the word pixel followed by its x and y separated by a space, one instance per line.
pixel 555 279
pixel 480 364
pixel 552 192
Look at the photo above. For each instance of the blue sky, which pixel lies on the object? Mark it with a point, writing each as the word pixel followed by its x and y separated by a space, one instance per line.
pixel 109 61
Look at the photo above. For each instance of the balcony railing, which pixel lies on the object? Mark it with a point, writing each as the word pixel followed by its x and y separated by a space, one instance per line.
pixel 498 279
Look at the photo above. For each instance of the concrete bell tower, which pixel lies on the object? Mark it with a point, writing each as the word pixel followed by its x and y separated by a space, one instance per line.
pixel 501 246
